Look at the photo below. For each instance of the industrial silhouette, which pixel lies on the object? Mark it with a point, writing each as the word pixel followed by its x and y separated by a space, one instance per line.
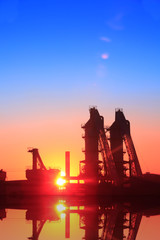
pixel 110 167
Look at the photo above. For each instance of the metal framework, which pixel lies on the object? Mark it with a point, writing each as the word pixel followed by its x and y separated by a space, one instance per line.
pixel 108 161
pixel 37 161
pixel 96 141
pixel 124 135
pixel 113 167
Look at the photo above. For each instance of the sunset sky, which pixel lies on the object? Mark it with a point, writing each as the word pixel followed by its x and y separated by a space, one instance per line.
pixel 59 57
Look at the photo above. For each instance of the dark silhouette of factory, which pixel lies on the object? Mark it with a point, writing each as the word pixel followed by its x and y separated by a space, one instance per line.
pixel 110 167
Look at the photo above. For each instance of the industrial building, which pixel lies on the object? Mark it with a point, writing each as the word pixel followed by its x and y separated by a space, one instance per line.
pixel 110 166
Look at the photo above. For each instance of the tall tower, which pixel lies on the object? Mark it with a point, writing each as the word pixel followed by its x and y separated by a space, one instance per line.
pixel 92 128
pixel 119 134
pixel 116 141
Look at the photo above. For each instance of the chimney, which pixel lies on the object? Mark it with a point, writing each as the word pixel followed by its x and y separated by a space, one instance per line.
pixel 67 164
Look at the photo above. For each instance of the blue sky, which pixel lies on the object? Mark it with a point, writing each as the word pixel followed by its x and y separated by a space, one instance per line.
pixel 60 43
pixel 62 56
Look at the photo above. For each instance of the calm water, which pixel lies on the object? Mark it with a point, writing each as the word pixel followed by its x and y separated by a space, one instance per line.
pixel 79 218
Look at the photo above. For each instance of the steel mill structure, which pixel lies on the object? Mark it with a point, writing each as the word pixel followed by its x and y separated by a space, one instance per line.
pixel 110 166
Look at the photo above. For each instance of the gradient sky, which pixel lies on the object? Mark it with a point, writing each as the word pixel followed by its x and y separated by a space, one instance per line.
pixel 59 57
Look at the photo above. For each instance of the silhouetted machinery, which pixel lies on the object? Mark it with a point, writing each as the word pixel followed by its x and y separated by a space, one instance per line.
pixel 2 175
pixel 96 141
pixel 39 173
pixel 2 213
pixel 112 168
pixel 119 134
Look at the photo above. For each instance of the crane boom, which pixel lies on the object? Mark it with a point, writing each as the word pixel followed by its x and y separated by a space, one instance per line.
pixel 37 161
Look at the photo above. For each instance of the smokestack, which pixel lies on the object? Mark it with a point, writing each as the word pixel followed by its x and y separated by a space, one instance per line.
pixel 67 163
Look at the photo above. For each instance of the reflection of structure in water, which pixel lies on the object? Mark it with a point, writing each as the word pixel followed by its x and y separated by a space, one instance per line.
pixel 39 216
pixel 2 213
pixel 99 218
pixel 110 223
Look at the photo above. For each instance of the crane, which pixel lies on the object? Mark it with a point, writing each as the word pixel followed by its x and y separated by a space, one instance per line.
pixel 39 173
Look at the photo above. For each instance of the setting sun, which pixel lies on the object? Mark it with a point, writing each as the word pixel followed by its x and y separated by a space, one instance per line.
pixel 61 181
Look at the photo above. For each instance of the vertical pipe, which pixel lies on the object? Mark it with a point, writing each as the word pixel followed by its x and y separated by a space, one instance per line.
pixel 34 152
pixel 67 225
pixel 67 164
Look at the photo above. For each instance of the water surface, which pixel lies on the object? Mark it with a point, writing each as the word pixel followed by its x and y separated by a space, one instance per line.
pixel 79 218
